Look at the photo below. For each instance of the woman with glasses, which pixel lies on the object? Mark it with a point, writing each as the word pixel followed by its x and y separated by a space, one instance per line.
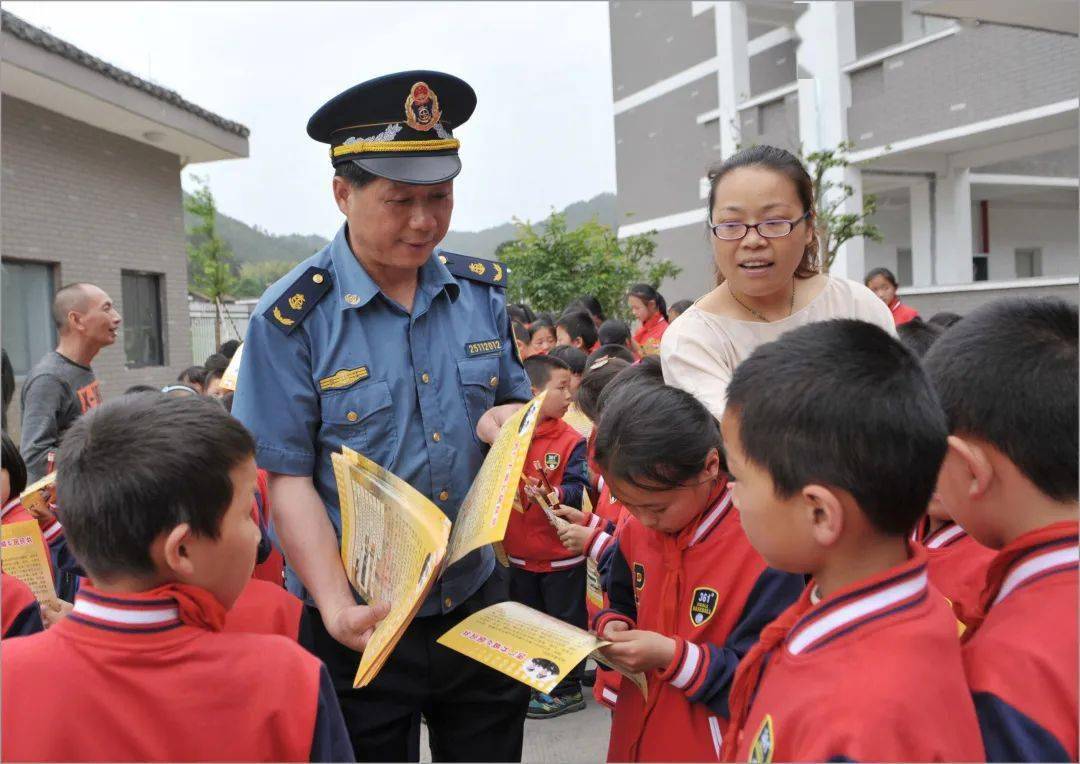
pixel 761 226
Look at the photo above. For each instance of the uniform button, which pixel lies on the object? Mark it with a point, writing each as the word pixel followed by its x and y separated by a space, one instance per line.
pixel 444 495
pixel 317 278
pixel 494 381
pixel 425 377
pixel 448 602
pixel 352 416
pixel 436 437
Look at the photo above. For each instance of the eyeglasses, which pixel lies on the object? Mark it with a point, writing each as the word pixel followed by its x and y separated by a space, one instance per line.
pixel 770 229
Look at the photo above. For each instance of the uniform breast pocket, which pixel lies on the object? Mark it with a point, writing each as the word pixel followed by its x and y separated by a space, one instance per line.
pixel 479 380
pixel 362 418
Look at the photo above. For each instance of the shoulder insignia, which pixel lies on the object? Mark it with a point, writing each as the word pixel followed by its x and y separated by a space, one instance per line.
pixel 290 309
pixel 490 272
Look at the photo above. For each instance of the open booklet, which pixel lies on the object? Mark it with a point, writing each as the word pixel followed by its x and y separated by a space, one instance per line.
pixel 23 552
pixel 532 647
pixel 395 543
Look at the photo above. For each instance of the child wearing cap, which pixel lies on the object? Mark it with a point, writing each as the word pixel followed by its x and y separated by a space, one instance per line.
pixel 1007 378
pixel 834 438
pixel 169 543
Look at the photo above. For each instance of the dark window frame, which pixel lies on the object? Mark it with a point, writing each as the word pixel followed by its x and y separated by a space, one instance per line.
pixel 53 268
pixel 157 322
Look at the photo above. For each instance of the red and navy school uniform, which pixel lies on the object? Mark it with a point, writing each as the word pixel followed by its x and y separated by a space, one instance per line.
pixel 1020 649
pixel 599 548
pixel 531 543
pixel 266 608
pixel 707 588
pixel 20 613
pixel 956 563
pixel 271 563
pixel 149 677
pixel 648 336
pixel 902 314
pixel 542 573
pixel 870 673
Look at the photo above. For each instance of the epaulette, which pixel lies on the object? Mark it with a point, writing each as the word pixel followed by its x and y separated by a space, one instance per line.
pixel 490 272
pixel 298 300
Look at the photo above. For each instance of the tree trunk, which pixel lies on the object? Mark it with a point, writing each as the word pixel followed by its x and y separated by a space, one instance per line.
pixel 217 324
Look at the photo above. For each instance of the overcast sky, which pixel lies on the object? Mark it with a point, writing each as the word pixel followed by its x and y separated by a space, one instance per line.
pixel 541 136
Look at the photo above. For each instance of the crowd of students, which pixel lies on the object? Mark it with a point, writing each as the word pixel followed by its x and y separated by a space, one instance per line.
pixel 861 547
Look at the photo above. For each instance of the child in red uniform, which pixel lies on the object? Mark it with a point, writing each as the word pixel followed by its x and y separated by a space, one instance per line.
pixel 834 438
pixel 1007 378
pixel 882 282
pixel 541 336
pixel 139 670
pixel 649 308
pixel 19 611
pixel 688 593
pixel 578 330
pixel 542 574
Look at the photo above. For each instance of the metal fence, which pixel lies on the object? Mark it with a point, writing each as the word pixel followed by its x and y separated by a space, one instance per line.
pixel 234 323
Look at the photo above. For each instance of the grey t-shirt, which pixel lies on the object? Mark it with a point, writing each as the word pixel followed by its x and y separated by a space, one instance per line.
pixel 56 393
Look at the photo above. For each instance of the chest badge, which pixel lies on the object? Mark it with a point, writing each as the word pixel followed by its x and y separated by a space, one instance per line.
pixel 483 347
pixel 703 605
pixel 639 580
pixel 764 743
pixel 552 460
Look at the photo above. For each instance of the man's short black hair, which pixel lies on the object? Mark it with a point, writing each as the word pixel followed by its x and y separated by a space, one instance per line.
pixel 228 348
pixel 573 357
pixel 15 466
pixel 540 367
pixel 138 466
pixel 614 331
pixel 1007 375
pixel 841 403
pixel 593 382
pixel 579 325
pixel 918 336
pixel 609 351
pixel 354 174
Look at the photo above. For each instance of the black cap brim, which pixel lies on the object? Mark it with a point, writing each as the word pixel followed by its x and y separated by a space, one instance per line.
pixel 418 170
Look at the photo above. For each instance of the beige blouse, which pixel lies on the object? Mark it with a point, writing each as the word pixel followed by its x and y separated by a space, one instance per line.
pixel 700 350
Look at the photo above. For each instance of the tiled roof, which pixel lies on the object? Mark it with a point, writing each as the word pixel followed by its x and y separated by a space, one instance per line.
pixel 42 39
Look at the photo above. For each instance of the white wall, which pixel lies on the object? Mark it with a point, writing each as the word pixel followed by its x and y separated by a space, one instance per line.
pixel 1013 225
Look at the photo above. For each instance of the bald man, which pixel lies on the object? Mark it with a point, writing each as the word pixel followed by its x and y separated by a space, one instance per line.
pixel 62 387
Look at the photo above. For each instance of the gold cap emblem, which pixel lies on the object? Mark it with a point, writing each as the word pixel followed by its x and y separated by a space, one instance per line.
pixel 422 107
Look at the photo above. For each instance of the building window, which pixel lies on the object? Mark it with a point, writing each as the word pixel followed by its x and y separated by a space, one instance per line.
pixel 143 342
pixel 980 268
pixel 1028 263
pixel 29 332
pixel 903 266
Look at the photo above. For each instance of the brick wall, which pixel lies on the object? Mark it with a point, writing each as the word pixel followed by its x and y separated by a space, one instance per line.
pixel 95 204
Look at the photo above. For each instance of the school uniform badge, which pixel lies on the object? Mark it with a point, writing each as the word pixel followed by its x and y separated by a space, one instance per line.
pixel 703 605
pixel 639 580
pixel 764 743
pixel 552 460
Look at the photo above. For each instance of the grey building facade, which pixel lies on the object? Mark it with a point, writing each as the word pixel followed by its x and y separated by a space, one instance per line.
pixel 90 191
pixel 964 130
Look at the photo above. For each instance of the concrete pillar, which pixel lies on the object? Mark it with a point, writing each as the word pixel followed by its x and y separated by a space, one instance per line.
pixel 922 244
pixel 826 30
pixel 733 72
pixel 952 223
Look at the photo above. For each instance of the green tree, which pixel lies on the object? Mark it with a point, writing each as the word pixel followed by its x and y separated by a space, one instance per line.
pixel 836 227
pixel 210 260
pixel 256 277
pixel 550 266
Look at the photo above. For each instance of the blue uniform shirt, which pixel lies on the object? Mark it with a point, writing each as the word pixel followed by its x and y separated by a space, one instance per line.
pixel 404 389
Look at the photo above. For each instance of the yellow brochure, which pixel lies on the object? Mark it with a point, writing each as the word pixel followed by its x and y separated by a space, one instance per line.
pixel 23 555
pixel 577 419
pixel 525 644
pixel 232 371
pixel 393 540
pixel 485 512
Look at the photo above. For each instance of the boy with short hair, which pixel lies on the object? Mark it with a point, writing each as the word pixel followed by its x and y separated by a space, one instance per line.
pixel 578 330
pixel 167 538
pixel 543 575
pixel 1007 378
pixel 834 438
pixel 615 331
pixel 575 359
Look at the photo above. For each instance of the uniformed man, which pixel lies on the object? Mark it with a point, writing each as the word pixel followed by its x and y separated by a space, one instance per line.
pixel 403 353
